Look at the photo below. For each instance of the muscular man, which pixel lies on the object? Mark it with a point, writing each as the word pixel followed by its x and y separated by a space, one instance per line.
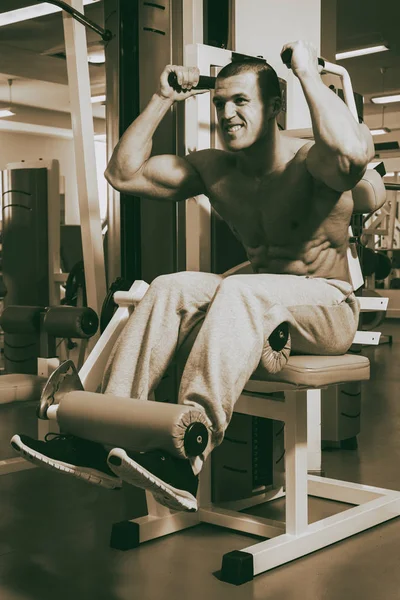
pixel 289 203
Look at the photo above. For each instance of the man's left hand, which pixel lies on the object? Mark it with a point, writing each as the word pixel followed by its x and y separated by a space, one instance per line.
pixel 304 58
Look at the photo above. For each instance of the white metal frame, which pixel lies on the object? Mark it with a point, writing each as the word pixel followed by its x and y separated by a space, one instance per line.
pixel 83 133
pixel 298 538
pixel 287 541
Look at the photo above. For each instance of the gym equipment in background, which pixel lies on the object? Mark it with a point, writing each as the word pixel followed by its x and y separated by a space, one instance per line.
pixel 31 250
pixel 380 236
pixel 47 325
pixel 34 324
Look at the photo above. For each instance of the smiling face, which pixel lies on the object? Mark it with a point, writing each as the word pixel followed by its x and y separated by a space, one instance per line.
pixel 242 112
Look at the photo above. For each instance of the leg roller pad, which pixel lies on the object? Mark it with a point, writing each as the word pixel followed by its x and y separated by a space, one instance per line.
pixel 125 535
pixel 135 425
pixel 279 337
pixel 237 567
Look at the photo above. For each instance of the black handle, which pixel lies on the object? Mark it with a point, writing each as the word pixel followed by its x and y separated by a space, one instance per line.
pixel 205 82
pixel 286 57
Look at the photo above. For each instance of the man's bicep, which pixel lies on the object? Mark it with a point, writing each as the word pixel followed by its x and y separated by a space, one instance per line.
pixel 165 177
pixel 323 168
pixel 340 171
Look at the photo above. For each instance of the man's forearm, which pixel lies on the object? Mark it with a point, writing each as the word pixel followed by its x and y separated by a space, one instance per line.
pixel 334 127
pixel 134 147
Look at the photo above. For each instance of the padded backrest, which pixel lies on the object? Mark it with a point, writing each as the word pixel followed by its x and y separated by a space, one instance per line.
pixel 369 194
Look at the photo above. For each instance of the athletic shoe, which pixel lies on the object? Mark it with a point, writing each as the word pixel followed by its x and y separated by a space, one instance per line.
pixel 70 455
pixel 171 480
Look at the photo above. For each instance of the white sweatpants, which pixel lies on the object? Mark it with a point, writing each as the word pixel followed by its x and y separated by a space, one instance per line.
pixel 230 320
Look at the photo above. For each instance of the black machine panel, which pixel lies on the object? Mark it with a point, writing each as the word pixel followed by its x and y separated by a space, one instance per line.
pixel 25 245
pixel 24 258
pixel 150 36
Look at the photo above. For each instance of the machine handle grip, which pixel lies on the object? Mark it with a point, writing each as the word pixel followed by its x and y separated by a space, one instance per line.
pixel 205 82
pixel 286 57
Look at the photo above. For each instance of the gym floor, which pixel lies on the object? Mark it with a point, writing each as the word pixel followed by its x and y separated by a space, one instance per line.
pixel 54 530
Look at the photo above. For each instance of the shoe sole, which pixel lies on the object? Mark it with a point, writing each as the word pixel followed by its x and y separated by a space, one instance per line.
pixel 85 474
pixel 165 494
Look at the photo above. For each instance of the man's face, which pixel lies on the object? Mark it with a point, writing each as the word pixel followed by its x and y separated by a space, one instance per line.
pixel 241 112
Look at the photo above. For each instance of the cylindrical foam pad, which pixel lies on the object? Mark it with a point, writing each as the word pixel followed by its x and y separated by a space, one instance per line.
pixel 21 387
pixel 135 425
pixel 272 360
pixel 71 322
pixel 276 351
pixel 21 319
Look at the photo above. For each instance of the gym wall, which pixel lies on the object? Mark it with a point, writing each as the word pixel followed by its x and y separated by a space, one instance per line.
pixel 15 147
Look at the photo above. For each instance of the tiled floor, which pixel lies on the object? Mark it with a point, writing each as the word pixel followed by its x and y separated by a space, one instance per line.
pixel 54 531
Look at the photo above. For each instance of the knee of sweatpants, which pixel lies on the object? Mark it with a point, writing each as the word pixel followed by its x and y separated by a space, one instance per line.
pixel 171 281
pixel 234 283
pixel 235 287
pixel 188 283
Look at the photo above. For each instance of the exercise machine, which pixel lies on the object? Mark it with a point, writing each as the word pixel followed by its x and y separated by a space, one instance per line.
pixel 284 397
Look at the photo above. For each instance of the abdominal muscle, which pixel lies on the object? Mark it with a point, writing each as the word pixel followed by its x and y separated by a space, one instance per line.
pixel 315 260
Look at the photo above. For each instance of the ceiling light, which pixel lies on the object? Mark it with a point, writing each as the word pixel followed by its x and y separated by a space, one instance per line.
pixel 390 174
pixel 97 58
pixel 385 99
pixel 6 112
pixel 360 52
pixel 380 131
pixel 32 12
pixel 95 99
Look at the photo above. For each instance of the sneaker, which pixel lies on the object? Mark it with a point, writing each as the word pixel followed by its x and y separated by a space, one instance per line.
pixel 171 480
pixel 70 455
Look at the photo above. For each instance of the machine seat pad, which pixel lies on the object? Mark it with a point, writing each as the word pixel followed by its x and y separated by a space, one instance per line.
pixel 19 387
pixel 314 371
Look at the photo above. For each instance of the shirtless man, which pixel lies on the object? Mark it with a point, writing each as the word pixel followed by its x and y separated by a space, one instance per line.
pixel 289 203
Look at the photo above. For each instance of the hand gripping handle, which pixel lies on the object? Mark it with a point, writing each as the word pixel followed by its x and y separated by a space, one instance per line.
pixel 205 82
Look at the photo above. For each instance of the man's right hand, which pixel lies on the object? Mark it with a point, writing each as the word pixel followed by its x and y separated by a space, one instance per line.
pixel 187 79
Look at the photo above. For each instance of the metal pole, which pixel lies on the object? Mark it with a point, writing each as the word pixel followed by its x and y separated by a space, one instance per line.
pixel 85 159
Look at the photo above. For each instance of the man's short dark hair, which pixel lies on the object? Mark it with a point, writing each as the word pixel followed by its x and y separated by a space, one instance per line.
pixel 267 77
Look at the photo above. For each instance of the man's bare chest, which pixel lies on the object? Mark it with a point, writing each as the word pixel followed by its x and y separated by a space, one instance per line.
pixel 260 212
